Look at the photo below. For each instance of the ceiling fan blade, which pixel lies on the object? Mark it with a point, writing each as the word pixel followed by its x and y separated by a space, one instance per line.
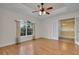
pixel 49 8
pixel 38 6
pixel 47 13
pixel 34 11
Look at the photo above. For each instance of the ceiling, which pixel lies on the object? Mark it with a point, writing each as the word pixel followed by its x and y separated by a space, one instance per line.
pixel 55 6
pixel 27 8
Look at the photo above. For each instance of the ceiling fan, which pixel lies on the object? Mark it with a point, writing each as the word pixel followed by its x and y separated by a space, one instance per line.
pixel 42 10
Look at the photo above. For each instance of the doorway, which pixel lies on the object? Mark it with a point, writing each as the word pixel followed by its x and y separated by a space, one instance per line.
pixel 67 30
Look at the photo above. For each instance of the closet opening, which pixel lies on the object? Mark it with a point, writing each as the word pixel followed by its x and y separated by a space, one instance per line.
pixel 67 30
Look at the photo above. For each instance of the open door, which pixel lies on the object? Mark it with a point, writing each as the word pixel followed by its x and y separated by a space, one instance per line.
pixel 77 30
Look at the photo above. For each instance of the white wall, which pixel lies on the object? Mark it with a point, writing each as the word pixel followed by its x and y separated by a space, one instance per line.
pixel 77 30
pixel 8 27
pixel 49 28
pixel 1 26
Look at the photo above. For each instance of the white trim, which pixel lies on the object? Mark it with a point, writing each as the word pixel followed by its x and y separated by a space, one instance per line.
pixel 7 44
pixel 12 43
pixel 76 42
pixel 75 31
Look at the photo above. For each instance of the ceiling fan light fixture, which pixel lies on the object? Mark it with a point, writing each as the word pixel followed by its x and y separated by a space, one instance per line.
pixel 44 12
pixel 40 13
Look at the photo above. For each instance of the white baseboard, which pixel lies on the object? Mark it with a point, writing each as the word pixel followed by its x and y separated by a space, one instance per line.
pixel 7 44
pixel 77 43
pixel 11 43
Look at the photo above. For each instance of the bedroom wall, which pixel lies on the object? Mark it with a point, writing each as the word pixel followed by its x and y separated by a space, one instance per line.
pixel 8 27
pixel 49 28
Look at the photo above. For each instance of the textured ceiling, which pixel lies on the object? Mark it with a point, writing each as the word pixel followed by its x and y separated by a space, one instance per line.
pixel 54 5
pixel 58 8
pixel 27 8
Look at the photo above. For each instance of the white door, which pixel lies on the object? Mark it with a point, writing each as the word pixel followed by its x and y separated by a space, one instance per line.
pixel 77 30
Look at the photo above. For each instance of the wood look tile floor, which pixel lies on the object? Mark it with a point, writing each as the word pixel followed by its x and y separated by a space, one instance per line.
pixel 41 47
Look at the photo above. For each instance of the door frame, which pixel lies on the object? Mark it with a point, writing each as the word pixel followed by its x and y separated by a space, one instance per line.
pixel 74 27
pixel 33 32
